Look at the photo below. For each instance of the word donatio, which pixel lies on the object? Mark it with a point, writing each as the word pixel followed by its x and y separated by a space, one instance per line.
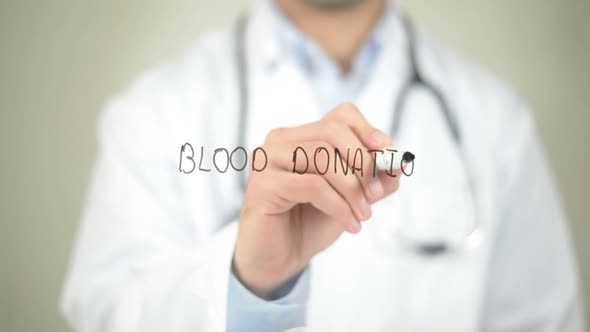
pixel 322 161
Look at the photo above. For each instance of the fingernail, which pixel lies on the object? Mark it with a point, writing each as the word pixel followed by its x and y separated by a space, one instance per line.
pixel 379 138
pixel 355 226
pixel 376 188
pixel 365 209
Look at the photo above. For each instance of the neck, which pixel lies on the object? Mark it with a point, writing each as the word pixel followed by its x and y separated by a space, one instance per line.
pixel 340 32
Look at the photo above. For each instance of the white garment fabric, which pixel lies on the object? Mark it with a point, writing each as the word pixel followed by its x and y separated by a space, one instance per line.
pixel 155 245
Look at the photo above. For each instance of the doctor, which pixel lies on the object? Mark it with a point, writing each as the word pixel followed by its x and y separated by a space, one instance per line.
pixel 474 240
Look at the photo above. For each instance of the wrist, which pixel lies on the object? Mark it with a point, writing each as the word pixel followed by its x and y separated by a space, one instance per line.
pixel 267 284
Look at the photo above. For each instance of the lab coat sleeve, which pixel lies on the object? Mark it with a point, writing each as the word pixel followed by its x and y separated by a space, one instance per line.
pixel 143 261
pixel 532 281
pixel 248 313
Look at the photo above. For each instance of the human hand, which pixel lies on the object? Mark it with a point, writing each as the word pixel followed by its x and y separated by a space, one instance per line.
pixel 287 217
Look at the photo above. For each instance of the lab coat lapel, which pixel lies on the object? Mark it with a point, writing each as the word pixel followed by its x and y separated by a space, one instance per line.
pixel 279 93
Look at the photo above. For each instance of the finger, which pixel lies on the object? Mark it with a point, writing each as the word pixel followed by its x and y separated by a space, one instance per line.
pixel 287 189
pixel 347 186
pixel 390 184
pixel 352 152
pixel 350 115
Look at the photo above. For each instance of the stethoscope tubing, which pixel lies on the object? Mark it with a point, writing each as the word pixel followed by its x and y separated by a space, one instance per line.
pixel 415 78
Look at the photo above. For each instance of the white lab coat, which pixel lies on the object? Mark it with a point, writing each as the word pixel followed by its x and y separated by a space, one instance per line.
pixel 155 245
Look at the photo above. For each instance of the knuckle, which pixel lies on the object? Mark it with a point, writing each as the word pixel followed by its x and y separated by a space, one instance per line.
pixel 348 107
pixel 331 125
pixel 338 111
pixel 351 189
pixel 273 134
pixel 332 130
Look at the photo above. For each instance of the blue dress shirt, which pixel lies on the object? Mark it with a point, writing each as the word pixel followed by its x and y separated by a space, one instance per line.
pixel 245 311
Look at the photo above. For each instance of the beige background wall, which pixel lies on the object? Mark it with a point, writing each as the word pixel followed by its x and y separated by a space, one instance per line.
pixel 60 60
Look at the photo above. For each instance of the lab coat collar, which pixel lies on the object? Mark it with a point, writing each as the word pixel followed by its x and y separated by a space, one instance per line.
pixel 262 48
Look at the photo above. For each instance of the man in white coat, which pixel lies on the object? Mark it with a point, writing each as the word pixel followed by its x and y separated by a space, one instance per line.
pixel 161 248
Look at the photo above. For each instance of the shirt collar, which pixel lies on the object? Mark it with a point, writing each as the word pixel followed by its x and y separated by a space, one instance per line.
pixel 277 38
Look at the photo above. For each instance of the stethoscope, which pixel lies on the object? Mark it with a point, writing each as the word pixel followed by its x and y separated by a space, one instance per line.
pixel 415 79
